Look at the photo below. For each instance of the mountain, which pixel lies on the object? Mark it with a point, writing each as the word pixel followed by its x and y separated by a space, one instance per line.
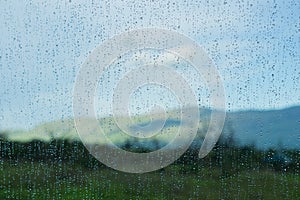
pixel 264 129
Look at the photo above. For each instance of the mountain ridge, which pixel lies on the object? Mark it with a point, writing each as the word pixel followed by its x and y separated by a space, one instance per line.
pixel 278 128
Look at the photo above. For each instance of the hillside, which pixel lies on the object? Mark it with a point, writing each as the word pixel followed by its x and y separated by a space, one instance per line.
pixel 264 129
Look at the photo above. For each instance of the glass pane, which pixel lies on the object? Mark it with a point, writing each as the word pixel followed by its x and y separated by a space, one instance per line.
pixel 149 99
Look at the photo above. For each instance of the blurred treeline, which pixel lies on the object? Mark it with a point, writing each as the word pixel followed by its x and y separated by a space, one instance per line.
pixel 227 156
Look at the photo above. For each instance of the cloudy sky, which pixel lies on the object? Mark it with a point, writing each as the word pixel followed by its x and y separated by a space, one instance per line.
pixel 254 44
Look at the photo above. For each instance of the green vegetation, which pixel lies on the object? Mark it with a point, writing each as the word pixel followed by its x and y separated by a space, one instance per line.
pixel 62 169
pixel 30 180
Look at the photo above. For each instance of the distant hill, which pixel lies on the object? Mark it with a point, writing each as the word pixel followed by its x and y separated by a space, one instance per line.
pixel 264 129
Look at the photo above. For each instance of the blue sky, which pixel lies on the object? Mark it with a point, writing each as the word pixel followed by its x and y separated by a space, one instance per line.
pixel 254 44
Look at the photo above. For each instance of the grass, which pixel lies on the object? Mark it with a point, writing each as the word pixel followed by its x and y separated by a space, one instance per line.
pixel 37 180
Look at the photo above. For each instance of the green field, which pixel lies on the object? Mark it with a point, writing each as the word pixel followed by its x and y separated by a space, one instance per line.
pixel 34 180
pixel 64 169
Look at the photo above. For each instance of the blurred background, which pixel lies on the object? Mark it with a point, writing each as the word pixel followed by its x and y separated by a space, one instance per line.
pixel 253 44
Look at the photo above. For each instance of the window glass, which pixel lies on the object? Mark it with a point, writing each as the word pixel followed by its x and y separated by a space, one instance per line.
pixel 149 99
